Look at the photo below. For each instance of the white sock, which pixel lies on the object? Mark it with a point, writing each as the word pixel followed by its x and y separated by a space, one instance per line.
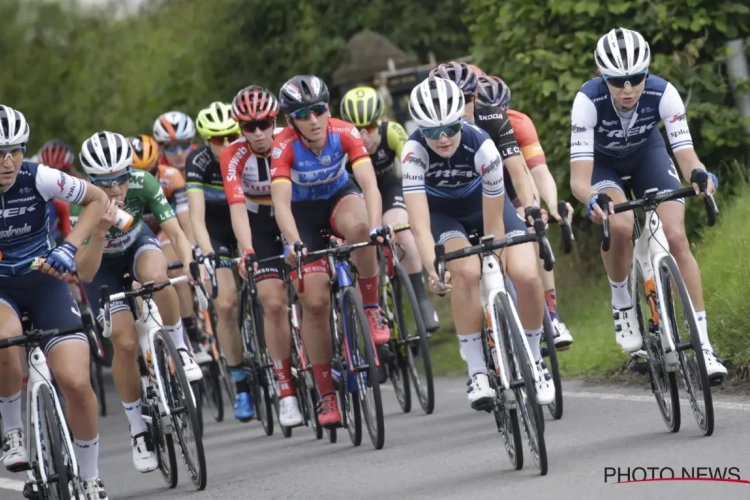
pixel 87 453
pixel 10 412
pixel 703 329
pixel 177 335
pixel 534 338
pixel 135 417
pixel 620 294
pixel 474 352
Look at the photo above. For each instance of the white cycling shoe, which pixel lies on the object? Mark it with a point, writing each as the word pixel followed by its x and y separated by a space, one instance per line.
pixel 479 391
pixel 15 457
pixel 627 335
pixel 289 415
pixel 144 453
pixel 714 368
pixel 563 339
pixel 93 490
pixel 545 386
pixel 192 370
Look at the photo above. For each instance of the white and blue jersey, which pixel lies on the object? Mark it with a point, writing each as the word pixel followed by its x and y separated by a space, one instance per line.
pixel 24 230
pixel 628 143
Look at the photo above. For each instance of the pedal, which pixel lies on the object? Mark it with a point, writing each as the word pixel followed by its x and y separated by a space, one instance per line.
pixel 31 491
pixel 637 365
pixel 486 404
pixel 19 468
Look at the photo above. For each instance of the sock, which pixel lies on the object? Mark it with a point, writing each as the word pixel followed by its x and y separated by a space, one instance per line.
pixel 189 326
pixel 550 297
pixel 176 333
pixel 417 282
pixel 535 342
pixel 10 412
pixel 135 417
pixel 240 378
pixel 620 294
pixel 369 289
pixel 283 370
pixel 471 344
pixel 324 378
pixel 87 453
pixel 703 329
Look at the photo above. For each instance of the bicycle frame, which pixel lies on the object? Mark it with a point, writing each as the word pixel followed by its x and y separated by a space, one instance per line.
pixel 146 336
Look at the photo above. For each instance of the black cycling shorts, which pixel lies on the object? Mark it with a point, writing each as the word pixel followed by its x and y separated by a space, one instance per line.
pixel 266 243
pixel 391 191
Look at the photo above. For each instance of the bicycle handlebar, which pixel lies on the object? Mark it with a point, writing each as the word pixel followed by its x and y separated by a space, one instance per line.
pixel 567 230
pixel 37 336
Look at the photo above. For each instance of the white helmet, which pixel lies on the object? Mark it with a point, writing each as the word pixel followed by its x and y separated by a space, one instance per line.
pixel 173 126
pixel 13 127
pixel 105 153
pixel 436 102
pixel 622 52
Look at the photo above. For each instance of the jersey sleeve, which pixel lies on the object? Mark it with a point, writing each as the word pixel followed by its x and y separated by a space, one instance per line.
pixel 282 158
pixel 56 184
pixel 672 112
pixel 396 138
pixel 228 161
pixel 179 193
pixel 156 200
pixel 528 140
pixel 489 165
pixel 505 139
pixel 583 118
pixel 352 144
pixel 414 162
pixel 195 171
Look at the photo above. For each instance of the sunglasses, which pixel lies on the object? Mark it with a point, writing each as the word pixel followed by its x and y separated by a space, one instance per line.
pixel 369 128
pixel 251 127
pixel 223 139
pixel 304 113
pixel 620 81
pixel 15 153
pixel 108 182
pixel 177 147
pixel 437 132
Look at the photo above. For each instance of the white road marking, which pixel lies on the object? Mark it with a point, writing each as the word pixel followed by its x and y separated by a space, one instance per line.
pixel 723 405
pixel 11 484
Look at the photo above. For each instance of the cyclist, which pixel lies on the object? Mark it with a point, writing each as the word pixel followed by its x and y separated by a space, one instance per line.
pixel 25 188
pixel 384 140
pixel 614 134
pixel 174 131
pixel 247 183
pixel 111 252
pixel 494 94
pixel 453 184
pixel 172 182
pixel 311 191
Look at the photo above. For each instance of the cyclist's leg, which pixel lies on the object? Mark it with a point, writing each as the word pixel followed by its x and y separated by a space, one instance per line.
pixel 606 178
pixel 394 213
pixel 184 292
pixel 16 455
pixel 349 219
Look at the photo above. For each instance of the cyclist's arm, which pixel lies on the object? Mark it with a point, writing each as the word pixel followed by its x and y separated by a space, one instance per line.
pixel 545 184
pixel 415 197
pixel 236 199
pixel 364 173
pixel 182 211
pixel 510 152
pixel 489 165
pixel 197 203
pixel 672 112
pixel 397 138
pixel 89 256
pixel 165 217
pixel 281 190
pixel 182 246
pixel 583 122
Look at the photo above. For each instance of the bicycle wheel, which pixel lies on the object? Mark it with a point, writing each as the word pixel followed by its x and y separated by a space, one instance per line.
pixel 182 407
pixel 689 347
pixel 165 452
pixel 227 381
pixel 97 383
pixel 211 390
pixel 351 417
pixel 393 355
pixel 362 353
pixel 550 352
pixel 522 368
pixel 663 383
pixel 414 337
pixel 56 469
pixel 255 363
pixel 506 416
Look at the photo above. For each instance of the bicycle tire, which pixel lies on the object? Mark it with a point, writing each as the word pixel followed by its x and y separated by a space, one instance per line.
pixel 261 393
pixel 368 383
pixel 215 393
pixel 198 393
pixel 663 384
pixel 531 414
pixel 705 420
pixel 97 383
pixel 350 416
pixel 178 381
pixel 52 426
pixel 227 380
pixel 555 408
pixel 425 391
pixel 393 355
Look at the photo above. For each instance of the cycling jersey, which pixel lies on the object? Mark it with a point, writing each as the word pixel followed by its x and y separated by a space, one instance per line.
pixel 527 138
pixel 173 184
pixel 316 177
pixel 247 177
pixel 204 174
pixel 143 192
pixel 25 234
pixel 495 121
pixel 597 126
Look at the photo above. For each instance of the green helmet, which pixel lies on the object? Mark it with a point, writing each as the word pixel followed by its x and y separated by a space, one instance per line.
pixel 362 106
pixel 216 121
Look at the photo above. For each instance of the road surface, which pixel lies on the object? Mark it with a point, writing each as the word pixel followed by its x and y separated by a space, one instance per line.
pixel 455 453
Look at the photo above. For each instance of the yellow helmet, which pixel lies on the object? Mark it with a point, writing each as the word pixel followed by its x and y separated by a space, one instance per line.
pixel 362 106
pixel 145 151
pixel 216 121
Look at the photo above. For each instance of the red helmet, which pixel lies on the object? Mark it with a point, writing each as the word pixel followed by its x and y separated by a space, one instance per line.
pixel 254 103
pixel 56 154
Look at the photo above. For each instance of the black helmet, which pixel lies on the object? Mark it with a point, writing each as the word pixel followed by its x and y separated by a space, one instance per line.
pixel 302 91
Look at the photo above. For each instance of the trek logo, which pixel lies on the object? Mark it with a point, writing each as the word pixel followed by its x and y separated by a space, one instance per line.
pixel 12 212
pixel 321 176
pixel 618 133
pixel 232 170
pixel 450 173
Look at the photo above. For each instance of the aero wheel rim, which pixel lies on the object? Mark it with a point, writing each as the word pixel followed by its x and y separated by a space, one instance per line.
pixel 409 335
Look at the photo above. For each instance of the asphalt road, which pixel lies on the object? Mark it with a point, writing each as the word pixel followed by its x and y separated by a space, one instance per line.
pixel 455 453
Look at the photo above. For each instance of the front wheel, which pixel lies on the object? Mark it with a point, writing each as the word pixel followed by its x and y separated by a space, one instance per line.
pixel 550 352
pixel 57 472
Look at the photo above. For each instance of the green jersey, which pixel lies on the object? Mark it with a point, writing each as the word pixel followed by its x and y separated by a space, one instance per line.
pixel 144 192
